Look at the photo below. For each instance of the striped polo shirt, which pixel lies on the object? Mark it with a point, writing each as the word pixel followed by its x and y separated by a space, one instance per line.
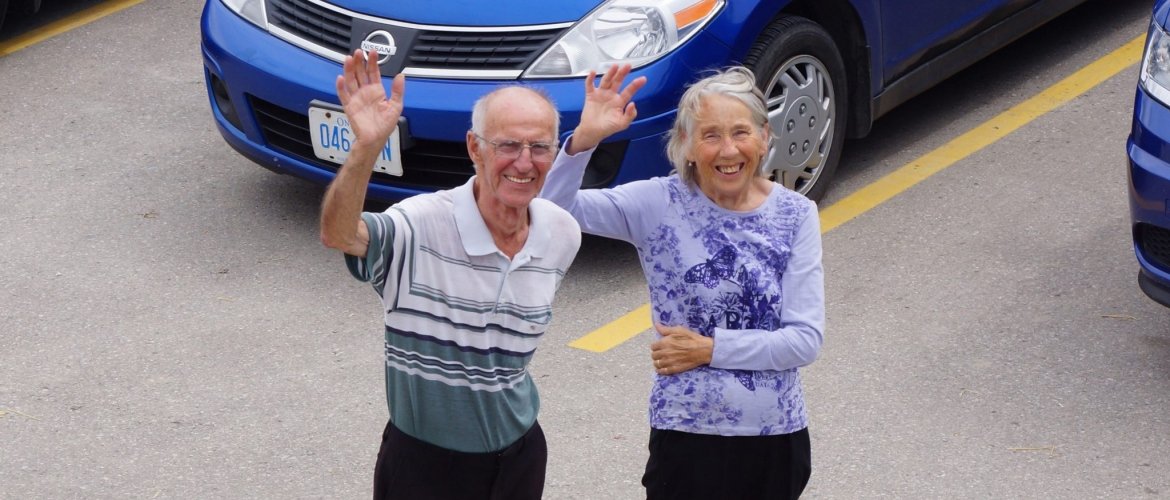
pixel 462 320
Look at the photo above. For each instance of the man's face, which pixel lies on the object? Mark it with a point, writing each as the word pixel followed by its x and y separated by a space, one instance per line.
pixel 513 178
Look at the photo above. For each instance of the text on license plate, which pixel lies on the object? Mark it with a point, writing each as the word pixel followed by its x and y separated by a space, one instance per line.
pixel 333 137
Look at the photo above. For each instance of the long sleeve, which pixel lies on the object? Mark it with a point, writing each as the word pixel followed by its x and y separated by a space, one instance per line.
pixel 624 213
pixel 802 315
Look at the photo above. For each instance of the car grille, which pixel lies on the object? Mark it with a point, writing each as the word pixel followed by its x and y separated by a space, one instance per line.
pixel 312 23
pixel 1154 242
pixel 427 164
pixel 437 48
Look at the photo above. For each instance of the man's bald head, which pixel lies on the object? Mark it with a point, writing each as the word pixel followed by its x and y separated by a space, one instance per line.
pixel 513 99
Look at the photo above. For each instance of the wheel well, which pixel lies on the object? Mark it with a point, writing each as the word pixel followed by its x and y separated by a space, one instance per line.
pixel 849 36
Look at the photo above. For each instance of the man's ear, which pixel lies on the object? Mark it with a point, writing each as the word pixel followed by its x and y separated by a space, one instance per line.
pixel 473 149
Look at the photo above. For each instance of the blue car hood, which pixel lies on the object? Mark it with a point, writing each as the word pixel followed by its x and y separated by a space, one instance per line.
pixel 1161 12
pixel 474 12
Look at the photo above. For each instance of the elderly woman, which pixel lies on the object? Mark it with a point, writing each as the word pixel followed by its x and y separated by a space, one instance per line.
pixel 733 263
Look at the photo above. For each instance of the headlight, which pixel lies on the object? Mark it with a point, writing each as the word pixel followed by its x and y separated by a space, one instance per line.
pixel 1155 76
pixel 624 31
pixel 252 10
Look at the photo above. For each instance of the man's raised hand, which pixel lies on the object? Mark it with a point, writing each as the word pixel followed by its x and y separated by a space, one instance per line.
pixel 371 115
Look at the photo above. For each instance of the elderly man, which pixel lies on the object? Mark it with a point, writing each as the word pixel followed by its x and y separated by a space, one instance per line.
pixel 467 277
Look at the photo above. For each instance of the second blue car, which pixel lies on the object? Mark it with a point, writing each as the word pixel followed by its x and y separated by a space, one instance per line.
pixel 1148 149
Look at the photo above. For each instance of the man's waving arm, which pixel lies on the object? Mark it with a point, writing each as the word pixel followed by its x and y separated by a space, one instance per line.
pixel 373 117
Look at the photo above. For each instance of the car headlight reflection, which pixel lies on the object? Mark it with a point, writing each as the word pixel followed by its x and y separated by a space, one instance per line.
pixel 624 31
pixel 1155 76
pixel 252 10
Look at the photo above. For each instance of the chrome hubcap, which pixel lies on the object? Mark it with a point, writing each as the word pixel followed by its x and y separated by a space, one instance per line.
pixel 801 113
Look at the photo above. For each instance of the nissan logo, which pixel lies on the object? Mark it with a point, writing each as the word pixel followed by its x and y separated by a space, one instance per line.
pixel 381 42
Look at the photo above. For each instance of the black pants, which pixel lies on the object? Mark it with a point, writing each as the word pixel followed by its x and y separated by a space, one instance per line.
pixel 685 466
pixel 411 469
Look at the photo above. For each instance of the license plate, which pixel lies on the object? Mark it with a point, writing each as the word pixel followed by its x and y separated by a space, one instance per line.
pixel 333 137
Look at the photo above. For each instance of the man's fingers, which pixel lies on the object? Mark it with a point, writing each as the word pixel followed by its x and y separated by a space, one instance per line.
pixel 342 92
pixel 373 74
pixel 398 88
pixel 349 70
pixel 369 69
pixel 359 68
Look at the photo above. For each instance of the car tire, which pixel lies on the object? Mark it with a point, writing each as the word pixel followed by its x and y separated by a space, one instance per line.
pixel 799 69
pixel 29 6
pixel 3 11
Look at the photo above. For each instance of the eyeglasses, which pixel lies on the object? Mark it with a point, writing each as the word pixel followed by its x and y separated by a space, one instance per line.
pixel 510 150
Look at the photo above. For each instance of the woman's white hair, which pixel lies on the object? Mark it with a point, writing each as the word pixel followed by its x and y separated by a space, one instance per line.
pixel 737 82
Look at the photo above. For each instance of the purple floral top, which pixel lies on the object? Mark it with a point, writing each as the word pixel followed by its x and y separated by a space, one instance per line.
pixel 752 280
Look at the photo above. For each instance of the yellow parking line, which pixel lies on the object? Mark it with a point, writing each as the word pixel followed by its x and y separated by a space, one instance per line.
pixel 981 136
pixel 62 25
pixel 616 332
pixel 862 200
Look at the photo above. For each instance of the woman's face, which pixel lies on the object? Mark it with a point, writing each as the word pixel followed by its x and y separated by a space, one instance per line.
pixel 727 147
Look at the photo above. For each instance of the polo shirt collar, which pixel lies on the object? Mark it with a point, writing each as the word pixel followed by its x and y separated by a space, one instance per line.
pixel 474 233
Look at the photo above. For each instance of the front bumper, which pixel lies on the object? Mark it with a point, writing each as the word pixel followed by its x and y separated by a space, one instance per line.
pixel 1148 148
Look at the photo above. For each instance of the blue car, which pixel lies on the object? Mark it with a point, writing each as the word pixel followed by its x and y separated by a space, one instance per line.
pixel 829 68
pixel 1148 148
